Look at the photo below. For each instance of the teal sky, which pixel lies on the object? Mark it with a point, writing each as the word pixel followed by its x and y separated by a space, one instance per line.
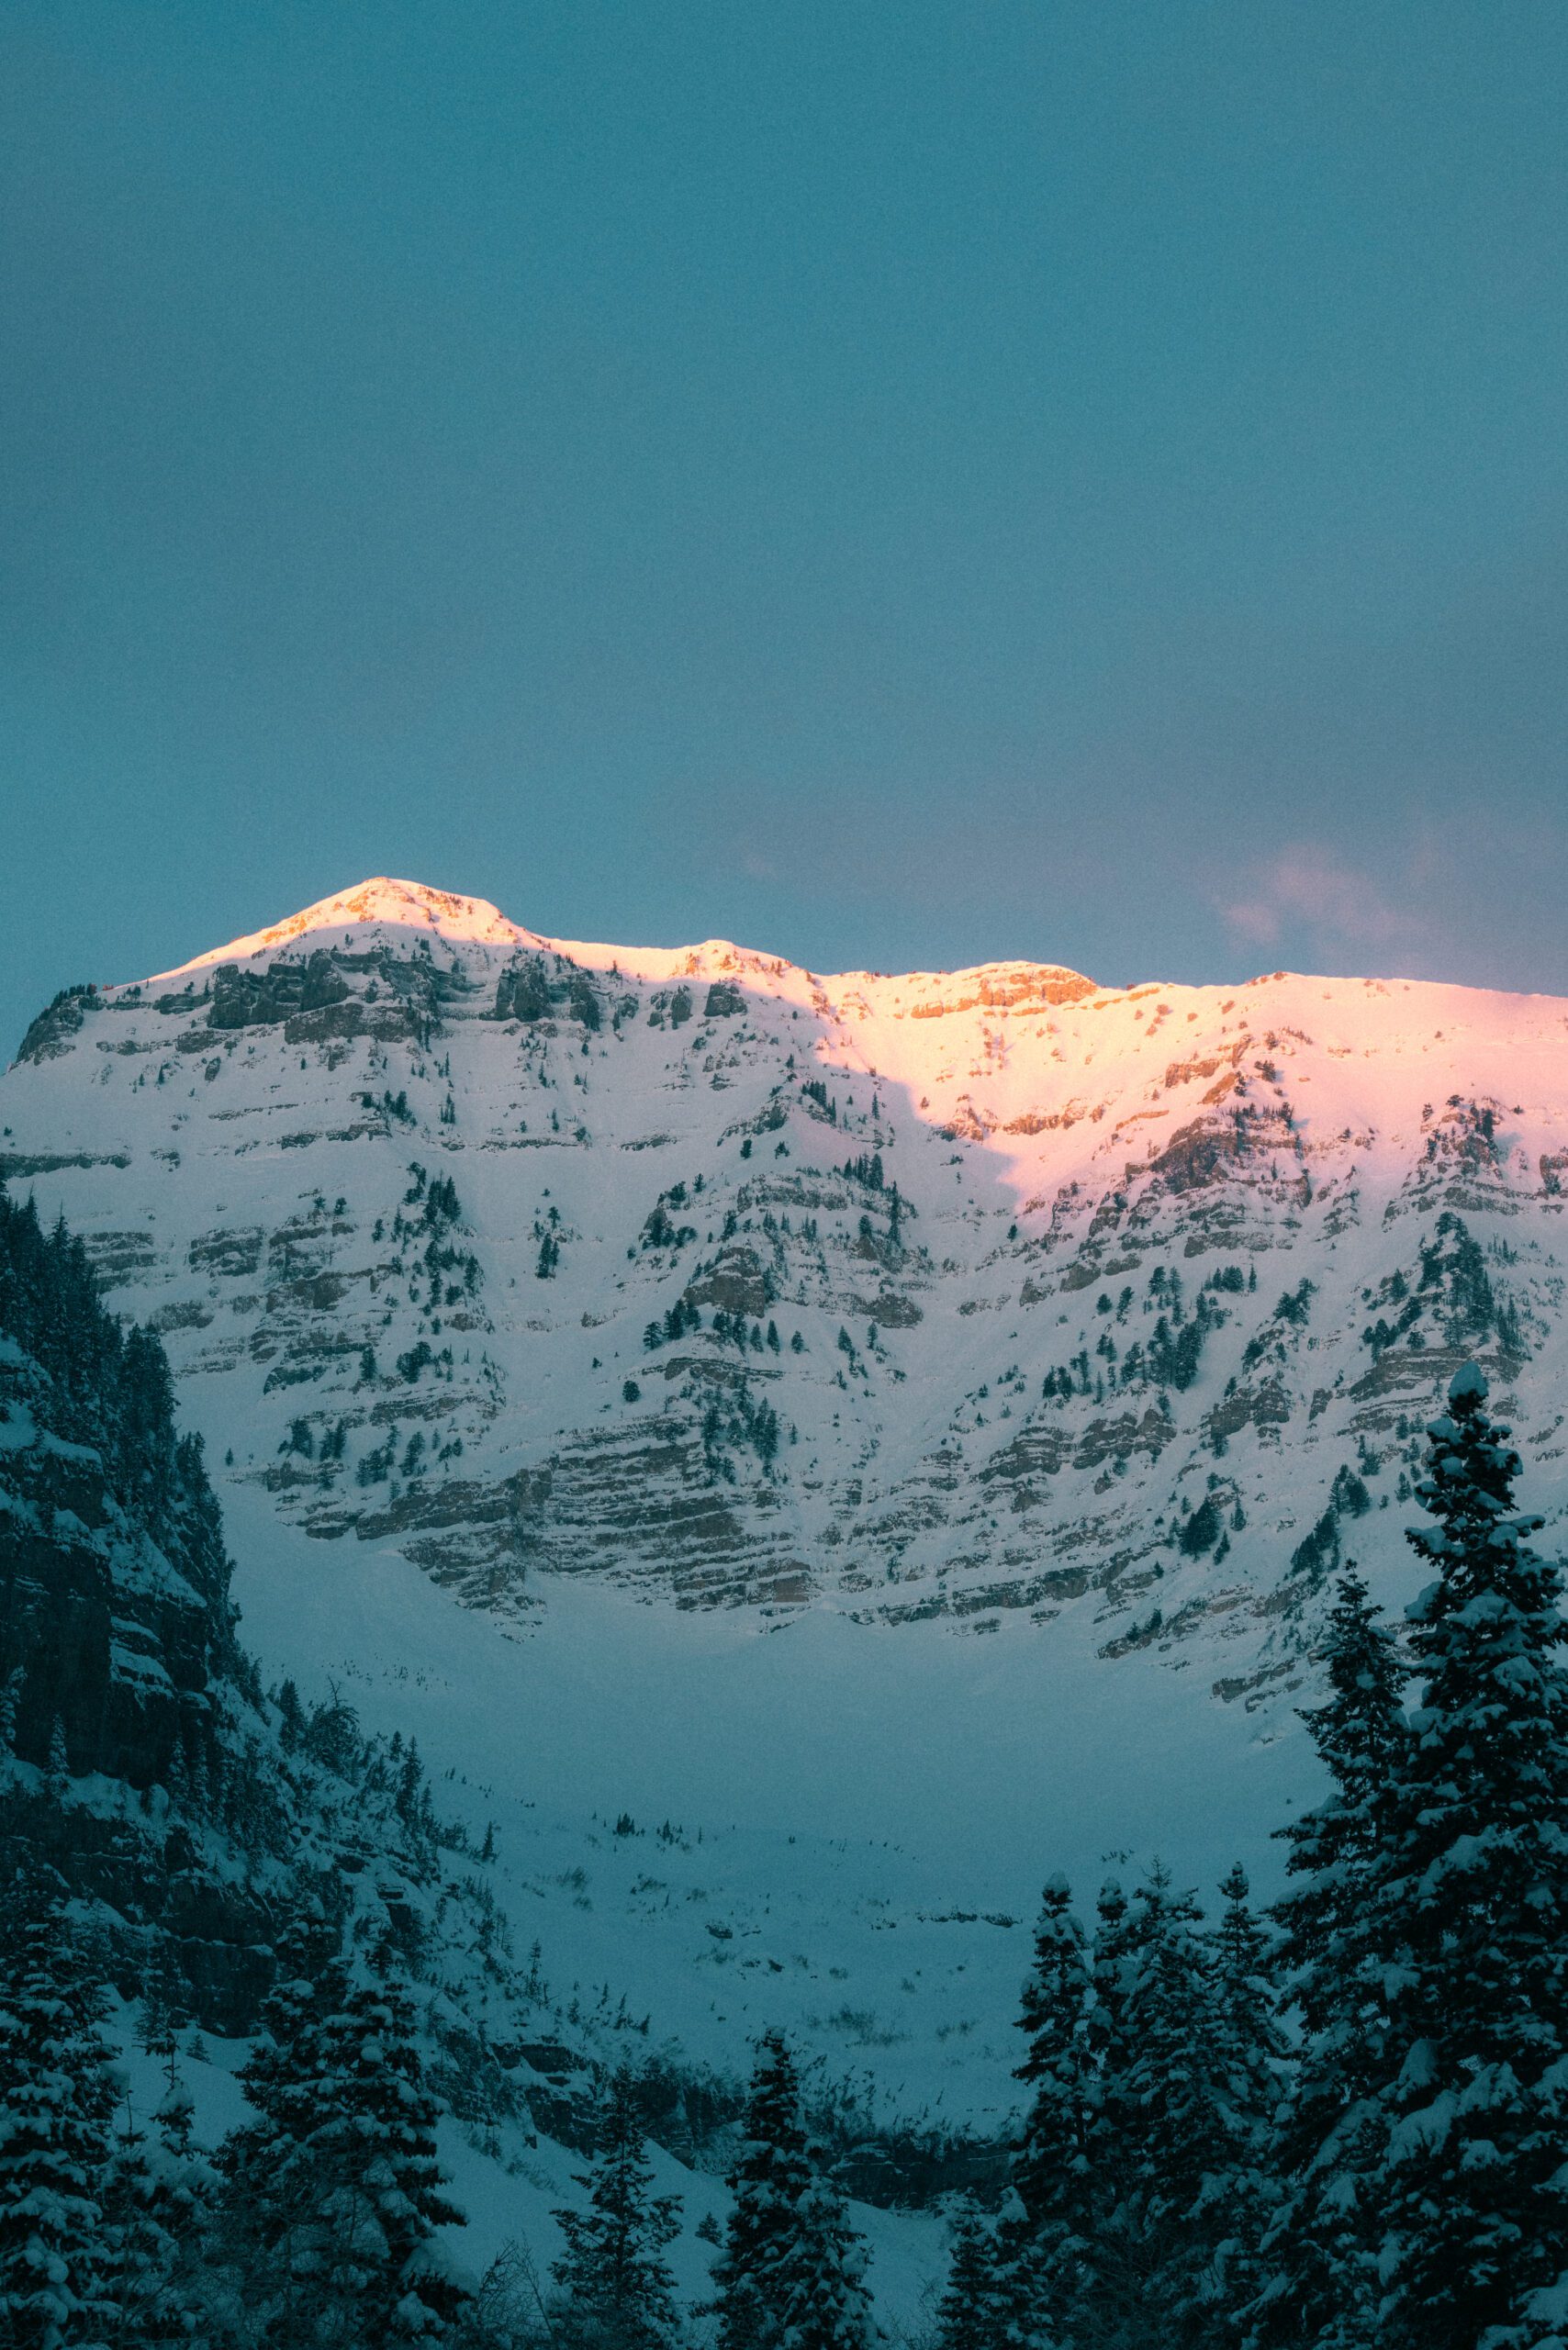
pixel 896 484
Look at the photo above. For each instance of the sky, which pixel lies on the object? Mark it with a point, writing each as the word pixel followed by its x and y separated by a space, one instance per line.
pixel 898 486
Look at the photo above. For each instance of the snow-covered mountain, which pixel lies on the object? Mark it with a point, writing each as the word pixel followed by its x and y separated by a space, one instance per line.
pixel 937 1294
pixel 646 1300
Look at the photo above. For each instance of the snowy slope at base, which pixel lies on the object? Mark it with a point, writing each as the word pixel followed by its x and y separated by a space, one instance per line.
pixel 875 1814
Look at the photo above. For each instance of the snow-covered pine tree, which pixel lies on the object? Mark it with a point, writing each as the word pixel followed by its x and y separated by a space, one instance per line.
pixel 823 2304
pixel 976 2308
pixel 614 2289
pixel 334 2190
pixel 370 2159
pixel 165 2004
pixel 770 2176
pixel 1315 2281
pixel 1110 1969
pixel 158 2205
pixel 1249 2038
pixel 1474 1921
pixel 1044 2249
pixel 269 2202
pixel 789 2276
pixel 1157 2121
pixel 1249 2060
pixel 56 2103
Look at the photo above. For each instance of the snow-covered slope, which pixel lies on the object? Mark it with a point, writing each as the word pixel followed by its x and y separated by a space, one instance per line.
pixel 878 1312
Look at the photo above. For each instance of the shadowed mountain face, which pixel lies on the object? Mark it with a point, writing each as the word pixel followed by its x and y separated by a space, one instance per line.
pixel 937 1296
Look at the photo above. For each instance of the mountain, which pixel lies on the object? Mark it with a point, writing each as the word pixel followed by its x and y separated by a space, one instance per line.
pixel 941 1294
pixel 900 1428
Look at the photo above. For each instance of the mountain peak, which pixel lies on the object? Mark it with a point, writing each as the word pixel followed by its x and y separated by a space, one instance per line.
pixel 384 900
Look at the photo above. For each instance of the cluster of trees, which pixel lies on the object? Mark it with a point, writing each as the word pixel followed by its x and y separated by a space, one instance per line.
pixel 733 1328
pixel 1293 1312
pixel 1173 1353
pixel 109 1381
pixel 1350 2133
pixel 438 1211
pixel 679 1319
pixel 314 2221
pixel 659 1229
pixel 1453 1285
pixel 738 1419
pixel 392 1105
pixel 790 2273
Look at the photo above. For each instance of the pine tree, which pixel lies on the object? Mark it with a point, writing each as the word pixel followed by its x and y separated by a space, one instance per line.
pixel 1158 2121
pixel 56 2103
pixel 1100 2291
pixel 1316 2281
pixel 1249 2058
pixel 1045 2248
pixel 158 2207
pixel 615 2289
pixel 1251 2039
pixel 165 2006
pixel 335 2190
pixel 161 2194
pixel 976 2305
pixel 371 2159
pixel 1474 1922
pixel 269 2204
pixel 823 2304
pixel 770 2176
pixel 789 2276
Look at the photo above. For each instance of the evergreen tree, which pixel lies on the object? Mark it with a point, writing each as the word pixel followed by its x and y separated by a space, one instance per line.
pixel 977 2306
pixel 371 2158
pixel 1474 1922
pixel 159 2202
pixel 269 2201
pixel 615 2290
pixel 823 2304
pixel 56 2102
pixel 1044 2247
pixel 1158 2121
pixel 769 2179
pixel 1316 2279
pixel 1250 2054
pixel 1112 1959
pixel 1252 2043
pixel 335 2190
pixel 789 2276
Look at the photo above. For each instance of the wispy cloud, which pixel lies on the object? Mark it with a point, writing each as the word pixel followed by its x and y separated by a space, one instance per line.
pixel 1308 889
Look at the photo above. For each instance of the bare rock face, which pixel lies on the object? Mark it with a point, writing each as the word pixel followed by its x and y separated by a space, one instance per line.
pixel 927 1296
pixel 115 1622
